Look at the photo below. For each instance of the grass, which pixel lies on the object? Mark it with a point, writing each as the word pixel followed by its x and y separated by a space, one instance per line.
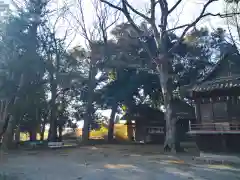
pixel 120 132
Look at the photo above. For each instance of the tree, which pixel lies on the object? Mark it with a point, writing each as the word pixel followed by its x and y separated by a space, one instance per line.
pixel 19 39
pixel 233 22
pixel 63 74
pixel 29 61
pixel 127 50
pixel 162 56
pixel 97 39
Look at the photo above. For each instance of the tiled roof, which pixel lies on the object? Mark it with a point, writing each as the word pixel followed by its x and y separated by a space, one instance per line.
pixel 223 83
pixel 212 81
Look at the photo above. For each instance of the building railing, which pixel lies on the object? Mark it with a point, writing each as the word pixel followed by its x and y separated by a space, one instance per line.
pixel 215 127
pixel 155 130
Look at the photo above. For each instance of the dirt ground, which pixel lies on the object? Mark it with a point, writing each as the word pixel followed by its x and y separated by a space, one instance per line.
pixel 105 162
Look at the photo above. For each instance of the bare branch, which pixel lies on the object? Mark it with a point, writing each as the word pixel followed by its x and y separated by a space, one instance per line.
pixel 130 20
pixel 189 26
pixel 137 12
pixel 179 15
pixel 112 5
pixel 221 15
pixel 203 16
pixel 103 14
pixel 125 11
pixel 152 9
pixel 164 16
pixel 178 27
pixel 174 6
pixel 82 22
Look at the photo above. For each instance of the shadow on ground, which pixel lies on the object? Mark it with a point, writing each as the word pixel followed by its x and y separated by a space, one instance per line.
pixel 103 162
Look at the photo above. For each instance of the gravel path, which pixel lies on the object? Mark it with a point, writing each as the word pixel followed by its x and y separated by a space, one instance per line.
pixel 105 163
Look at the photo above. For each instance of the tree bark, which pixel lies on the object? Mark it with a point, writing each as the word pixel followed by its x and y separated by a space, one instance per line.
pixel 4 128
pixel 170 126
pixel 130 130
pixel 60 130
pixel 89 110
pixel 33 134
pixel 111 122
pixel 53 124
pixel 42 130
pixel 17 135
pixel 8 135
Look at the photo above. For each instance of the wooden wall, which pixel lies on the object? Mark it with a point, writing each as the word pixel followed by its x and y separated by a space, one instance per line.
pixel 219 109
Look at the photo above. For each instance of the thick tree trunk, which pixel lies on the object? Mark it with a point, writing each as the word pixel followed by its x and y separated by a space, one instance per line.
pixel 8 135
pixel 33 135
pixel 60 130
pixel 17 135
pixel 53 124
pixel 89 111
pixel 111 122
pixel 4 128
pixel 86 126
pixel 130 130
pixel 170 126
pixel 42 130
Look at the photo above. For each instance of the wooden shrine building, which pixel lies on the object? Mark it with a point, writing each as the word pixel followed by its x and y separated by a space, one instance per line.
pixel 149 123
pixel 217 106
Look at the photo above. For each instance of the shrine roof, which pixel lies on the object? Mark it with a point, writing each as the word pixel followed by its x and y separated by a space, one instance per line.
pixel 224 75
pixel 180 108
pixel 224 83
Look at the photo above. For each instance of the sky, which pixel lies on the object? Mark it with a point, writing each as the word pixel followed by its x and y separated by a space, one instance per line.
pixel 186 12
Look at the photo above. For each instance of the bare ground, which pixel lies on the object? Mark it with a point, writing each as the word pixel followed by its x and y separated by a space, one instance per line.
pixel 105 162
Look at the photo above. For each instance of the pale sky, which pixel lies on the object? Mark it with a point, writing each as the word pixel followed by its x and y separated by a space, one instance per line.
pixel 187 11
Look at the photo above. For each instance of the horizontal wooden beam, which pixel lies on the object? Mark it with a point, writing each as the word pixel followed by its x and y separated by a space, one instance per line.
pixel 213 132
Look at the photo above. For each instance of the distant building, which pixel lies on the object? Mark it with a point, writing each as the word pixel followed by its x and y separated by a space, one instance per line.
pixel 149 124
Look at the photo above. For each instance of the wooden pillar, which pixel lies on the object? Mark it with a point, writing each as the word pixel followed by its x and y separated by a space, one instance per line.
pixel 129 130
pixel 197 110
pixel 224 142
pixel 213 115
pixel 229 104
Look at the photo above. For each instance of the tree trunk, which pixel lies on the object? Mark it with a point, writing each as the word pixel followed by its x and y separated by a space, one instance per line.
pixel 8 135
pixel 89 111
pixel 33 134
pixel 49 133
pixel 60 130
pixel 53 124
pixel 170 126
pixel 111 122
pixel 85 133
pixel 130 130
pixel 42 130
pixel 17 135
pixel 4 128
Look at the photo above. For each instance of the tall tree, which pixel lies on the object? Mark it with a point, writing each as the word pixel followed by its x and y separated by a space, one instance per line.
pixel 96 37
pixel 162 55
pixel 21 38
